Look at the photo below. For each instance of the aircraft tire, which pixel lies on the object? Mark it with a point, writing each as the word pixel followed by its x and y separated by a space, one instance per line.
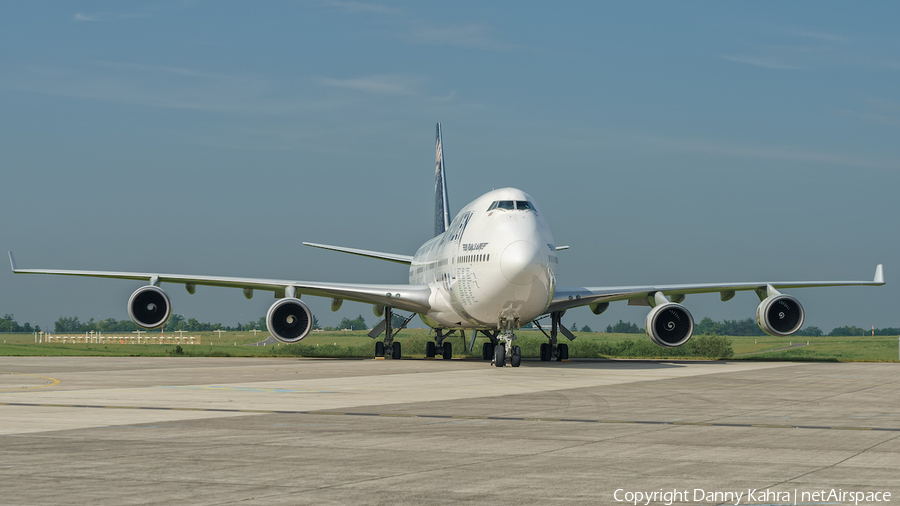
pixel 379 349
pixel 487 351
pixel 546 352
pixel 500 355
pixel 448 351
pixel 430 348
pixel 563 352
pixel 395 351
pixel 516 356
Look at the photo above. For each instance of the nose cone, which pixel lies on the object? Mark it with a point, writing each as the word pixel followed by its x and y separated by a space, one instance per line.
pixel 521 263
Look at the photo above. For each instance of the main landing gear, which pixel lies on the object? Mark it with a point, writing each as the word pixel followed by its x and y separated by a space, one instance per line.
pixel 431 347
pixel 388 347
pixel 487 349
pixel 554 349
pixel 393 349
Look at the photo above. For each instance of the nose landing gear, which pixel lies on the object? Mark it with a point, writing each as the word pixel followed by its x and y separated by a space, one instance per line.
pixel 504 350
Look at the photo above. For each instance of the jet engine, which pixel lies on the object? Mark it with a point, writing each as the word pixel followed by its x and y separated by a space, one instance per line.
pixel 149 307
pixel 669 325
pixel 289 320
pixel 780 315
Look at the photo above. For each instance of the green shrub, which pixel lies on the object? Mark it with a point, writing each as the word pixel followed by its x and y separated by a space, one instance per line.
pixel 178 351
pixel 709 346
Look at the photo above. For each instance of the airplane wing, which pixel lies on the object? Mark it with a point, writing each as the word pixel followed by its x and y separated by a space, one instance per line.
pixel 565 298
pixel 412 298
pixel 391 257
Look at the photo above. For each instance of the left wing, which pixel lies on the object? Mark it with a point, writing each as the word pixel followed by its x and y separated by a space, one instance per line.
pixel 391 257
pixel 412 298
pixel 565 298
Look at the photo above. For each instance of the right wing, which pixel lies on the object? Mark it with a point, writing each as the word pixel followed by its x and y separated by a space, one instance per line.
pixel 412 298
pixel 565 298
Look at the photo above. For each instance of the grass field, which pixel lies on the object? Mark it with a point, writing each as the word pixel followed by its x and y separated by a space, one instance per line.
pixel 588 345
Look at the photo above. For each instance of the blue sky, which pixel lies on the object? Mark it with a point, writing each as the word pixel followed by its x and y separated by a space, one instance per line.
pixel 666 143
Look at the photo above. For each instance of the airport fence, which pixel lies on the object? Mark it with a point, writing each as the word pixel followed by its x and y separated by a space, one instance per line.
pixel 112 339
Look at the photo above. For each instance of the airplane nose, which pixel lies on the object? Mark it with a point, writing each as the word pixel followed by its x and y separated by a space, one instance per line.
pixel 521 263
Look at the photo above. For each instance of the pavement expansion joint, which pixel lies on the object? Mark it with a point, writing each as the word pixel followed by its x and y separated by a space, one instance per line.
pixel 465 417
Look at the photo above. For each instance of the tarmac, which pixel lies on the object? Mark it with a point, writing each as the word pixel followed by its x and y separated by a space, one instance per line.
pixel 271 431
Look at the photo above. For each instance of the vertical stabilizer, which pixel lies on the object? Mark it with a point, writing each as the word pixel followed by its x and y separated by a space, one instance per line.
pixel 441 206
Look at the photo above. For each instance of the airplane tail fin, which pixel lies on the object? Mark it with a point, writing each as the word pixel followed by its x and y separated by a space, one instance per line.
pixel 441 206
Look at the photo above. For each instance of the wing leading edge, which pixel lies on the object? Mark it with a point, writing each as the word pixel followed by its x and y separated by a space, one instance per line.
pixel 412 298
pixel 565 298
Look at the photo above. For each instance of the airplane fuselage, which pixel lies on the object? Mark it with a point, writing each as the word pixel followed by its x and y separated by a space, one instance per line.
pixel 496 263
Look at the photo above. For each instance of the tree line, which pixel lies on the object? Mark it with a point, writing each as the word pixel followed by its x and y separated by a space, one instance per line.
pixel 706 326
pixel 359 323
pixel 748 327
pixel 72 324
pixel 8 324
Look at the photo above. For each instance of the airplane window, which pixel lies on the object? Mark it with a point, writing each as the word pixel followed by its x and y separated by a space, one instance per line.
pixel 524 204
pixel 506 204
pixel 493 206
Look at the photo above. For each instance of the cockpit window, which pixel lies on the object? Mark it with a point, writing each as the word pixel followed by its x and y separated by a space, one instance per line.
pixel 512 204
pixel 524 204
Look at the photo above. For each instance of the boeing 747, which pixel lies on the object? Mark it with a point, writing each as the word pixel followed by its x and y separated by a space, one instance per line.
pixel 490 270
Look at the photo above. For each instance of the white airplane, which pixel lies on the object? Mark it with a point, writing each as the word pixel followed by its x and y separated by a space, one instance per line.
pixel 491 269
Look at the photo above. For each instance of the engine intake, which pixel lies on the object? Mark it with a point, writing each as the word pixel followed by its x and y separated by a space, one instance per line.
pixel 149 307
pixel 289 320
pixel 669 325
pixel 780 315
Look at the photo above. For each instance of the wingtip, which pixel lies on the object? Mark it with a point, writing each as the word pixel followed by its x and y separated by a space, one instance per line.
pixel 879 274
pixel 12 261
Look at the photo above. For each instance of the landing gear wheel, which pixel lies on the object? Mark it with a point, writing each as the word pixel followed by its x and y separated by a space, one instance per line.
pixel 395 351
pixel 379 349
pixel 430 349
pixel 500 355
pixel 563 352
pixel 448 351
pixel 487 351
pixel 516 356
pixel 546 352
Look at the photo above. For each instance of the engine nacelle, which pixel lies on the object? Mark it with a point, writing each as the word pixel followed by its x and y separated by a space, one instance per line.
pixel 669 325
pixel 149 307
pixel 289 320
pixel 780 315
